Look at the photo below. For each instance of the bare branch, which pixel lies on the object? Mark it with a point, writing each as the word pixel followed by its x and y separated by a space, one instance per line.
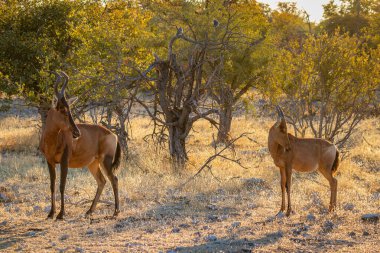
pixel 153 116
pixel 218 154
pixel 203 115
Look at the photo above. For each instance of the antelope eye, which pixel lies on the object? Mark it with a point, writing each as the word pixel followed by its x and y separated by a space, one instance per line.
pixel 63 111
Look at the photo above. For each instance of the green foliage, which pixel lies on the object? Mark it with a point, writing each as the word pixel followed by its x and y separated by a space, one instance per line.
pixel 245 57
pixel 374 25
pixel 231 31
pixel 329 83
pixel 97 43
pixel 356 17
pixel 104 44
pixel 288 24
pixel 35 38
pixel 112 43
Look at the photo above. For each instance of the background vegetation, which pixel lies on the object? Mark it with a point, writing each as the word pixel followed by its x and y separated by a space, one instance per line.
pixel 177 81
pixel 190 60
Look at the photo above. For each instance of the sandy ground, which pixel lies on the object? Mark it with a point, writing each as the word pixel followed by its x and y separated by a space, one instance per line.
pixel 228 209
pixel 219 222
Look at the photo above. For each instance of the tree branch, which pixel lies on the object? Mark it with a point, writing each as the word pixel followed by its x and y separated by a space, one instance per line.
pixel 203 115
pixel 153 116
pixel 209 160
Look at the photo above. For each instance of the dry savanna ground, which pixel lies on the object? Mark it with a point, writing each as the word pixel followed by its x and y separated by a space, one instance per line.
pixel 224 209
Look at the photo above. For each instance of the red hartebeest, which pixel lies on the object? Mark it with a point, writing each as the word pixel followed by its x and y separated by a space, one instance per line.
pixel 301 154
pixel 77 146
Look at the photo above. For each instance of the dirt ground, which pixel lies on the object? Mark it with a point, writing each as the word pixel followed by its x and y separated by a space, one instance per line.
pixel 220 222
pixel 226 209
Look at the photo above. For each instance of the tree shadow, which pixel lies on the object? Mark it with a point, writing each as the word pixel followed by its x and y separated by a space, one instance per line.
pixel 320 243
pixel 232 245
pixel 9 236
pixel 176 211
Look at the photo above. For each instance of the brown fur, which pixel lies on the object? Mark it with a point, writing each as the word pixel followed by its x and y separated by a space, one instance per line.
pixel 96 146
pixel 93 148
pixel 116 160
pixel 304 155
pixel 336 163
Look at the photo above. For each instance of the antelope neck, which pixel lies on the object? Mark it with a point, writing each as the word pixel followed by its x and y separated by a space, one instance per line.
pixel 51 134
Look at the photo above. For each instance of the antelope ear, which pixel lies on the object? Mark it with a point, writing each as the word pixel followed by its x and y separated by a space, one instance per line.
pixel 54 101
pixel 72 100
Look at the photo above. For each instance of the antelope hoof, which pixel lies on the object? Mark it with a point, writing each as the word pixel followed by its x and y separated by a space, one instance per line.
pixel 280 214
pixel 331 209
pixel 116 213
pixel 288 212
pixel 60 216
pixel 88 213
pixel 51 215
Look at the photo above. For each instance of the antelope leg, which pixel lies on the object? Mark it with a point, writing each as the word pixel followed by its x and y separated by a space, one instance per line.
pixel 288 171
pixel 283 182
pixel 64 169
pixel 107 165
pixel 52 189
pixel 97 173
pixel 333 187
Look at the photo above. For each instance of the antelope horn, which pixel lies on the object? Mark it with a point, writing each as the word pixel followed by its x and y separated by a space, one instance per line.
pixel 280 112
pixel 66 77
pixel 58 76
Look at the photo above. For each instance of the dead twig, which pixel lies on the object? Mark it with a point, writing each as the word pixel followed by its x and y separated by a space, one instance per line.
pixel 217 154
pixel 85 201
pixel 365 140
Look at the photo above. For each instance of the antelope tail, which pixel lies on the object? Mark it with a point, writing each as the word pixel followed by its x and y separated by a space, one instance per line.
pixel 116 161
pixel 336 163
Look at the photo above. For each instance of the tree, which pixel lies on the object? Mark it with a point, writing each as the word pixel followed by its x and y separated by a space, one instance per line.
pixel 178 90
pixel 35 39
pixel 241 60
pixel 374 25
pixel 326 85
pixel 104 65
pixel 235 29
pixel 288 24
pixel 352 16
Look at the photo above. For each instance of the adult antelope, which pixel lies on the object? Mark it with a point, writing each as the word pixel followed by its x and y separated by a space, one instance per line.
pixel 301 154
pixel 77 146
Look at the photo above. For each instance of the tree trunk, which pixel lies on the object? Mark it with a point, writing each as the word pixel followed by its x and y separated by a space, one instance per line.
pixel 121 129
pixel 225 121
pixel 225 114
pixel 177 146
pixel 109 117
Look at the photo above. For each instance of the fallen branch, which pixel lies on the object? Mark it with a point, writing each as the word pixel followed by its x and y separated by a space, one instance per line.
pixel 206 164
pixel 85 201
pixel 371 145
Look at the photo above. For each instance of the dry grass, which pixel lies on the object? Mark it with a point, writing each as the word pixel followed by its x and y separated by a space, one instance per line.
pixel 157 215
pixel 18 134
